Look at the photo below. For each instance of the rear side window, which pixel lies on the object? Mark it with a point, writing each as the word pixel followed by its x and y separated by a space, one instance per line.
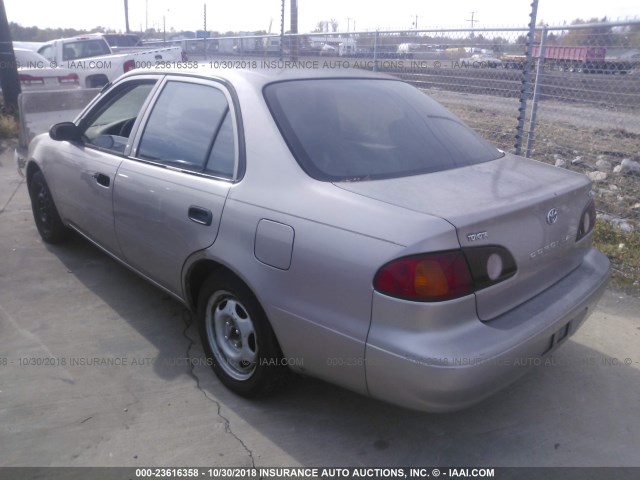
pixel 85 49
pixel 353 129
pixel 188 129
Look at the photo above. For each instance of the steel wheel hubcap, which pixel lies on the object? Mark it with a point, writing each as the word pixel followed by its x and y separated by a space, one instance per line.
pixel 43 207
pixel 231 335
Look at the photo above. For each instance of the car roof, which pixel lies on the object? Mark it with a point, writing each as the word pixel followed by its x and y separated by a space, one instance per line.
pixel 29 53
pixel 260 77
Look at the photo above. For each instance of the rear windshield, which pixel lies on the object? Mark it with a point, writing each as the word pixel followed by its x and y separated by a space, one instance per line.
pixel 359 129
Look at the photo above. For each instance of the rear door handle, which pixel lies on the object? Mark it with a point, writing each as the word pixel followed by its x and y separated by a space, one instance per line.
pixel 102 179
pixel 200 215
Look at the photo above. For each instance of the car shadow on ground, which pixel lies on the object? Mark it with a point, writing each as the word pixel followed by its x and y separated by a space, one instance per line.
pixel 561 413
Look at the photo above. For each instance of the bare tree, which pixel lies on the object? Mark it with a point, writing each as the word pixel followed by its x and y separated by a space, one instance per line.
pixel 334 25
pixel 320 26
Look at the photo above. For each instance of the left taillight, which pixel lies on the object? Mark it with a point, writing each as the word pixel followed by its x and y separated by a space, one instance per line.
pixel 440 276
pixel 587 220
pixel 129 65
pixel 426 278
pixel 31 79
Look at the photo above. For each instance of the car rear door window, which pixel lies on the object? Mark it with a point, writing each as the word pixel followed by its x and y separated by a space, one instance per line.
pixel 221 159
pixel 190 127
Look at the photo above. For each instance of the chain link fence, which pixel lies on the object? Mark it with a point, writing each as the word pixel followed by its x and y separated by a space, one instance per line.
pixel 567 95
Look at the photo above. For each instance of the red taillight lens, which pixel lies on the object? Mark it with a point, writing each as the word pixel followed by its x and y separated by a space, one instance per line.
pixel 68 79
pixel 440 276
pixel 587 220
pixel 31 80
pixel 426 278
pixel 129 65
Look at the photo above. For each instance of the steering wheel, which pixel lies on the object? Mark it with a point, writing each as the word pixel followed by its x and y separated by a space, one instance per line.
pixel 125 129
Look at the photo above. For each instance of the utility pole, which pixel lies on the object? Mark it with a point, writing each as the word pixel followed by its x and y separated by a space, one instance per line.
pixel 205 21
pixel 472 20
pixel 348 23
pixel 294 30
pixel 8 68
pixel 126 15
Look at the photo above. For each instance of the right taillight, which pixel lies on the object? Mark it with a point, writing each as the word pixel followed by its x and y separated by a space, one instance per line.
pixel 489 265
pixel 72 78
pixel 440 276
pixel 587 220
pixel 128 65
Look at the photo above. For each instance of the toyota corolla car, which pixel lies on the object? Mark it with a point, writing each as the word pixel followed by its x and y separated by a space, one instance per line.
pixel 342 225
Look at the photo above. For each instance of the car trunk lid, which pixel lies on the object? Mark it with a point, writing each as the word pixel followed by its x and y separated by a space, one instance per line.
pixel 530 208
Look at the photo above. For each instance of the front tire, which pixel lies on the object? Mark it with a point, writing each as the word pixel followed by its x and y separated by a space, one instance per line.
pixel 45 213
pixel 238 339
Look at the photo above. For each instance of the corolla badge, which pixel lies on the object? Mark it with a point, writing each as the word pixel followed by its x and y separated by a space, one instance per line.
pixel 552 216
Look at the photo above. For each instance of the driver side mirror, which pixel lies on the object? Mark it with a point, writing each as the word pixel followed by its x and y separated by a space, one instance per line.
pixel 65 131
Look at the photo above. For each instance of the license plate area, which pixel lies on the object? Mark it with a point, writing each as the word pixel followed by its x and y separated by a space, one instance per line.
pixel 564 332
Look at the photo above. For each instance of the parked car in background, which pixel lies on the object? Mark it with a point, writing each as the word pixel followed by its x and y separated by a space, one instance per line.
pixel 342 225
pixel 328 50
pixel 33 46
pixel 91 58
pixel 35 72
pixel 482 60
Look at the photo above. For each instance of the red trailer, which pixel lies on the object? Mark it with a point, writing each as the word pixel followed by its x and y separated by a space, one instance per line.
pixel 580 59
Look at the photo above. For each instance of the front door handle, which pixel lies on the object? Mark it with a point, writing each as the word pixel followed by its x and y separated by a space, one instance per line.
pixel 102 179
pixel 200 215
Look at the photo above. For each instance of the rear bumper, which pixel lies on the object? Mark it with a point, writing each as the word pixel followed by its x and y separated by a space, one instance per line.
pixel 434 364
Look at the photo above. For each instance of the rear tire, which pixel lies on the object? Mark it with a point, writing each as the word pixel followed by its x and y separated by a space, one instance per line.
pixel 45 213
pixel 238 339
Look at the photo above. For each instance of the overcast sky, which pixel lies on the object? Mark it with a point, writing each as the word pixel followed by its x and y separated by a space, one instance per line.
pixel 251 15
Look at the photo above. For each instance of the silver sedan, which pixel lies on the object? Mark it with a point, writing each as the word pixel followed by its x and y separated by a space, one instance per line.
pixel 341 225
